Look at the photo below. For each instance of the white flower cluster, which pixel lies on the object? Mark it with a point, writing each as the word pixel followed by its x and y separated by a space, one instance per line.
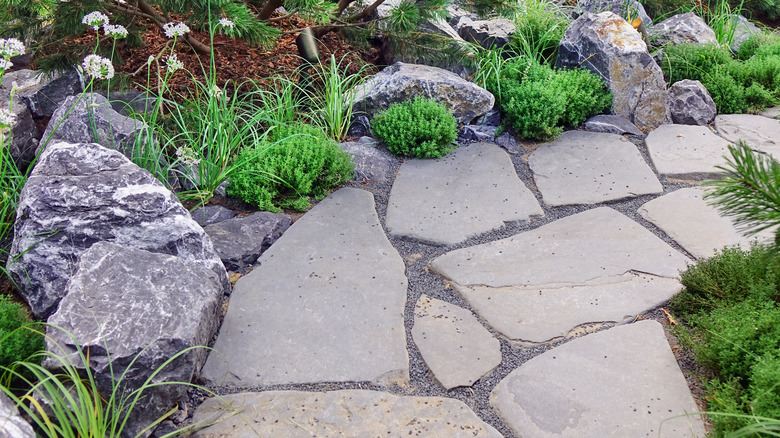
pixel 187 156
pixel 95 19
pixel 226 22
pixel 115 30
pixel 173 30
pixel 215 91
pixel 5 64
pixel 7 118
pixel 174 64
pixel 10 47
pixel 98 67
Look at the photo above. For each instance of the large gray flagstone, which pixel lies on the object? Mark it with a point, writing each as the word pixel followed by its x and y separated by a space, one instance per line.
pixel 698 227
pixel 594 266
pixel 759 132
pixel 325 304
pixel 622 382
pixel 589 168
pixel 473 190
pixel 345 414
pixel 686 149
pixel 454 345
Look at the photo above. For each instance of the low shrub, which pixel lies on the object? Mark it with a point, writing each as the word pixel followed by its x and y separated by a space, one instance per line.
pixel 537 100
pixel 745 85
pixel 419 128
pixel 20 338
pixel 294 163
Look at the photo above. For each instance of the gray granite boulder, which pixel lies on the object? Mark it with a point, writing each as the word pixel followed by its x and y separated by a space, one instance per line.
pixel 127 102
pixel 477 133
pixel 743 29
pixel 401 82
pixel 371 163
pixel 211 214
pixel 92 114
pixel 609 47
pixel 134 310
pixel 12 425
pixel 488 33
pixel 457 15
pixel 687 28
pixel 22 140
pixel 611 124
pixel 240 241
pixel 43 93
pixel 81 194
pixel 689 103
pixel 624 8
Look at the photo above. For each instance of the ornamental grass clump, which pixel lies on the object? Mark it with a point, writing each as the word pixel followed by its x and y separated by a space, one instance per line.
pixel 419 128
pixel 293 164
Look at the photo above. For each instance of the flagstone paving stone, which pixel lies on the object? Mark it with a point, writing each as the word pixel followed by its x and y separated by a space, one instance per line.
pixel 470 191
pixel 345 413
pixel 698 227
pixel 454 345
pixel 686 149
pixel 622 382
pixel 325 304
pixel 759 132
pixel 588 168
pixel 593 266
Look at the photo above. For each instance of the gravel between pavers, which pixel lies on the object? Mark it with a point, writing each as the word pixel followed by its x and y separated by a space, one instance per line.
pixel 416 256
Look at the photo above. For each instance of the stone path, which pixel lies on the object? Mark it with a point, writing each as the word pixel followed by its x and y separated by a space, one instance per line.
pixel 483 294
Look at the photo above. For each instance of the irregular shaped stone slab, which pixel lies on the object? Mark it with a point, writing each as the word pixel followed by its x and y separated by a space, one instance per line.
pixel 325 304
pixel 345 414
pixel 454 345
pixel 759 132
pixel 686 149
pixel 593 266
pixel 622 382
pixel 589 168
pixel 698 227
pixel 772 113
pixel 473 190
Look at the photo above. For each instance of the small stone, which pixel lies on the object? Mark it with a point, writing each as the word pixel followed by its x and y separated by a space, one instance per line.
pixel 489 34
pixel 611 124
pixel 508 143
pixel 454 345
pixel 211 214
pixel 239 241
pixel 371 163
pixel 689 103
pixel 477 133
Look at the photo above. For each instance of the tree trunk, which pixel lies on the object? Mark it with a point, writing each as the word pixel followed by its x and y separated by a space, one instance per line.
pixel 268 8
pixel 196 44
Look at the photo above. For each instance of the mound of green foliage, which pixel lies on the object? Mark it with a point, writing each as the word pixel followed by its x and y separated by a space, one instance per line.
pixel 730 302
pixel 297 162
pixel 538 101
pixel 419 128
pixel 748 84
pixel 19 337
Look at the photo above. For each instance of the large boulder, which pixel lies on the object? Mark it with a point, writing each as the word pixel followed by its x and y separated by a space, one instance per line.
pixel 240 241
pixel 624 8
pixel 82 118
pixel 689 103
pixel 401 82
pixel 81 194
pixel 743 29
pixel 12 425
pixel 43 93
pixel 687 28
pixel 133 310
pixel 488 33
pixel 22 140
pixel 609 47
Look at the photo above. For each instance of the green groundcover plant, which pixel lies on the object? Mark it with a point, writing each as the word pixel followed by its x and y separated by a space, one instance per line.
pixel 419 128
pixel 538 100
pixel 20 337
pixel 747 84
pixel 295 163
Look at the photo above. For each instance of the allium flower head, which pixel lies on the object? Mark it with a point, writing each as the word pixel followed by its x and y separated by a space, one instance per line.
pixel 187 156
pixel 174 64
pixel 7 118
pixel 173 30
pixel 98 67
pixel 226 22
pixel 115 30
pixel 10 47
pixel 95 19
pixel 5 64
pixel 215 91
